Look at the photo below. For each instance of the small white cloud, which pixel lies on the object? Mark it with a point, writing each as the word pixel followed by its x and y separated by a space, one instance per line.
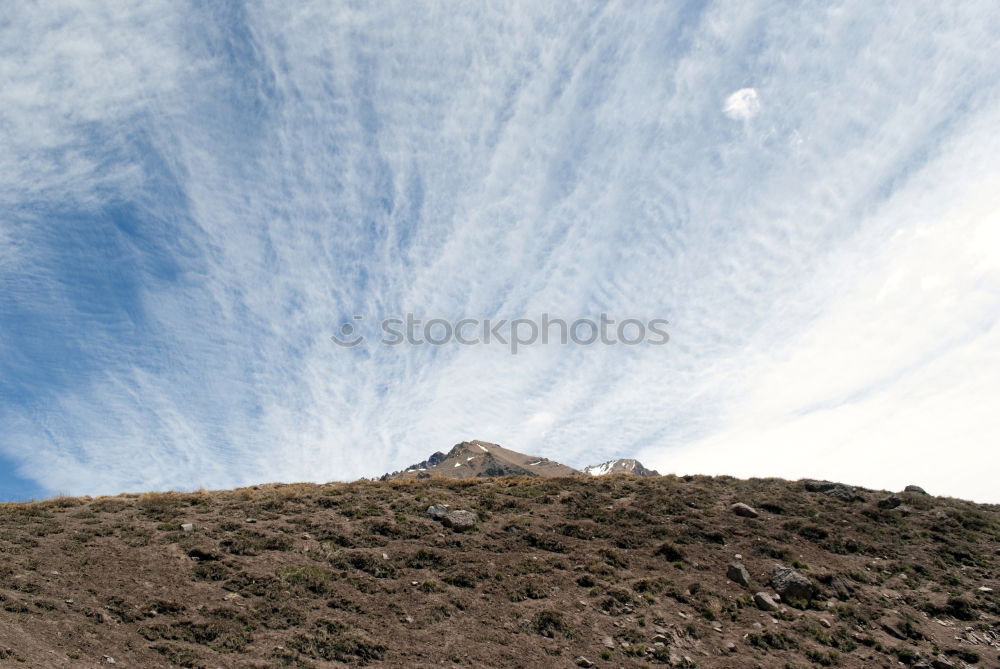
pixel 742 105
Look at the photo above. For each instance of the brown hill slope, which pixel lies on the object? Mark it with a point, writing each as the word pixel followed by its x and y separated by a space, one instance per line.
pixel 620 570
pixel 479 459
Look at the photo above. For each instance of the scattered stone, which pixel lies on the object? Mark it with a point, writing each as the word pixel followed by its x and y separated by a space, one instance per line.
pixel 608 642
pixel 793 587
pixel 985 589
pixel 437 511
pixel 764 602
pixel 890 502
pixel 738 574
pixel 941 662
pixel 108 659
pixel 731 647
pixel 186 527
pixel 583 662
pixel 825 623
pixel 915 488
pixel 460 520
pixel 835 490
pixel 741 509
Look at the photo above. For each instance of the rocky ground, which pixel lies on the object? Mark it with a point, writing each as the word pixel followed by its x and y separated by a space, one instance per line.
pixel 616 571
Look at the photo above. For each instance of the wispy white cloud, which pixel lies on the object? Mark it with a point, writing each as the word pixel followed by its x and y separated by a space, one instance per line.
pixel 260 175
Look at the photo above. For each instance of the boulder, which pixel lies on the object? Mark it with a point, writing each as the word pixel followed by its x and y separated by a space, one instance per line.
pixel 460 520
pixel 741 509
pixel 437 511
pixel 793 587
pixel 818 486
pixel 844 492
pixel 915 489
pixel 738 574
pixel 835 490
pixel 890 502
pixel 765 602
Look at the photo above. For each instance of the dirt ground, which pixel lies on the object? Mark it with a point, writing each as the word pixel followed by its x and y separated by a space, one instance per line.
pixel 615 571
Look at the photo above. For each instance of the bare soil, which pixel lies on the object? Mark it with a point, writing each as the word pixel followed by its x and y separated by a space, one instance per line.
pixel 620 570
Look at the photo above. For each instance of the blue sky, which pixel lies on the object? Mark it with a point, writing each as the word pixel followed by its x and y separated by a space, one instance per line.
pixel 194 198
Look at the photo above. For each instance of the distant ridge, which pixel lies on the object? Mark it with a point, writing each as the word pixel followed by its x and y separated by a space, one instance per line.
pixel 483 459
pixel 620 466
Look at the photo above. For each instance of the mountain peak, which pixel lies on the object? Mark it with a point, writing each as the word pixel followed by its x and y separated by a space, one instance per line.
pixel 481 459
pixel 620 466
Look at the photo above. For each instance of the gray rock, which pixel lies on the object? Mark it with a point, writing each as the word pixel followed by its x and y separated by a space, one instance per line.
pixel 741 509
pixel 793 587
pixel 890 502
pixel 437 511
pixel 738 574
pixel 581 661
pixel 460 520
pixel 942 662
pixel 187 527
pixel 764 602
pixel 844 492
pixel 915 488
pixel 835 490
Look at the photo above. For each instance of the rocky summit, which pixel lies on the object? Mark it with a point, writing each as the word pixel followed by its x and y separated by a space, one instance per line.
pixel 519 570
pixel 621 466
pixel 481 459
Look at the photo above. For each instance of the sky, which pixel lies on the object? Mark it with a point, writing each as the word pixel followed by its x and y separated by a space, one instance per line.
pixel 195 197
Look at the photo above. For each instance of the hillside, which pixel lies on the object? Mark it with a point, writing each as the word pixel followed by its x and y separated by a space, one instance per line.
pixel 610 571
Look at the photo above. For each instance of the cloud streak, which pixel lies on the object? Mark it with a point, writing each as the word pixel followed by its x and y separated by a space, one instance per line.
pixel 201 197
